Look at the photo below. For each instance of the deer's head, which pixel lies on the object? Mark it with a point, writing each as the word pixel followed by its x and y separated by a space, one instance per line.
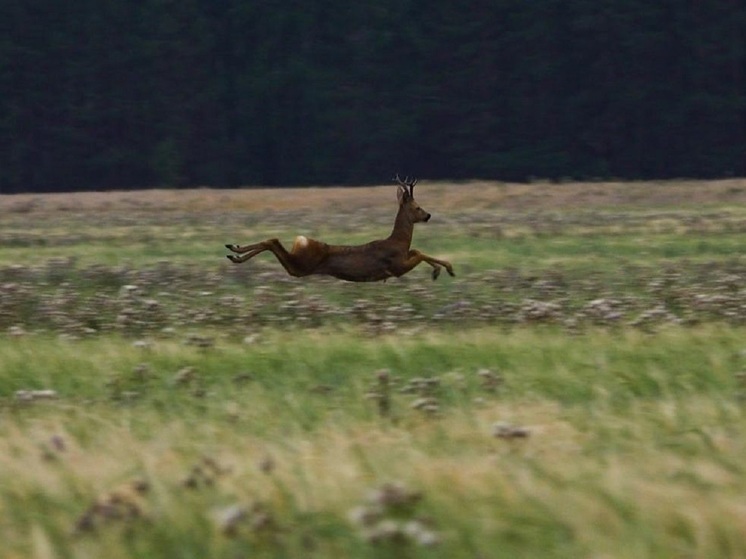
pixel 407 204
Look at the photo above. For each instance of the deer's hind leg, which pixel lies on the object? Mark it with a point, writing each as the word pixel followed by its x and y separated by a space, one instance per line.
pixel 246 251
pixel 299 245
pixel 238 249
pixel 289 261
pixel 244 256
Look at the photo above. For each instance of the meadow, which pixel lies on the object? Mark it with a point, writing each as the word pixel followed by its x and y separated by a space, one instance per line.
pixel 576 391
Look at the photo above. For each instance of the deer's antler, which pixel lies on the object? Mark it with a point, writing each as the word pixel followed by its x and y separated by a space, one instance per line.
pixel 406 183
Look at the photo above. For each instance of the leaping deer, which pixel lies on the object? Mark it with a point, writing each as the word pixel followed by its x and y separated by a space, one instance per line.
pixel 373 261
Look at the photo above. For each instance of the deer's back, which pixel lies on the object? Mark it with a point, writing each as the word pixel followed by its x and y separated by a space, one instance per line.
pixel 369 262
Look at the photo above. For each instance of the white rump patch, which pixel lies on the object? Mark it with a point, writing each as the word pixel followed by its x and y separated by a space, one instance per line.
pixel 300 242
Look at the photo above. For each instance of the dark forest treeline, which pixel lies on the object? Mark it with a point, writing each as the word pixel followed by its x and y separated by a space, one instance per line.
pixel 122 94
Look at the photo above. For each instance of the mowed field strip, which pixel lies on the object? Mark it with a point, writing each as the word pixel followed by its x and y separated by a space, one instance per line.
pixel 577 390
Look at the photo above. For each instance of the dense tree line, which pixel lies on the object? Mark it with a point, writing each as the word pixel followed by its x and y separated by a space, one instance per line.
pixel 122 94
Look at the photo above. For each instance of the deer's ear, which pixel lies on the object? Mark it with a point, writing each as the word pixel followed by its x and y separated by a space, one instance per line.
pixel 402 194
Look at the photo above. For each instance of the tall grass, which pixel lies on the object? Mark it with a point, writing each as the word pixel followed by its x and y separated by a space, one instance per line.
pixel 633 438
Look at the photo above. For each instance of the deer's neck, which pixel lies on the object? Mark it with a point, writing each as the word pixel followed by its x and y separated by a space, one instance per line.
pixel 403 229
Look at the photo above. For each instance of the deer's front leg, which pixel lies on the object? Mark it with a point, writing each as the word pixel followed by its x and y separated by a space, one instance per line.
pixel 414 257
pixel 436 264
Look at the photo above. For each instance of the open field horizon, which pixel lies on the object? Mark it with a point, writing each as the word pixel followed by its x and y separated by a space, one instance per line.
pixel 577 390
pixel 464 194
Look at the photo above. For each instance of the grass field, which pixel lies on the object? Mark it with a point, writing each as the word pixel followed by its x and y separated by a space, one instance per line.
pixel 576 391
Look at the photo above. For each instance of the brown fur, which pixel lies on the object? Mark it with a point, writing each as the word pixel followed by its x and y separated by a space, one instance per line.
pixel 373 261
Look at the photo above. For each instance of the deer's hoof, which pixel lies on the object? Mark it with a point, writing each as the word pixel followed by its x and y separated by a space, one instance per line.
pixel 230 247
pixel 231 258
pixel 436 273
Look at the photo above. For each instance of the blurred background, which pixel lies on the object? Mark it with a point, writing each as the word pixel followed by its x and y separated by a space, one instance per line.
pixel 98 94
